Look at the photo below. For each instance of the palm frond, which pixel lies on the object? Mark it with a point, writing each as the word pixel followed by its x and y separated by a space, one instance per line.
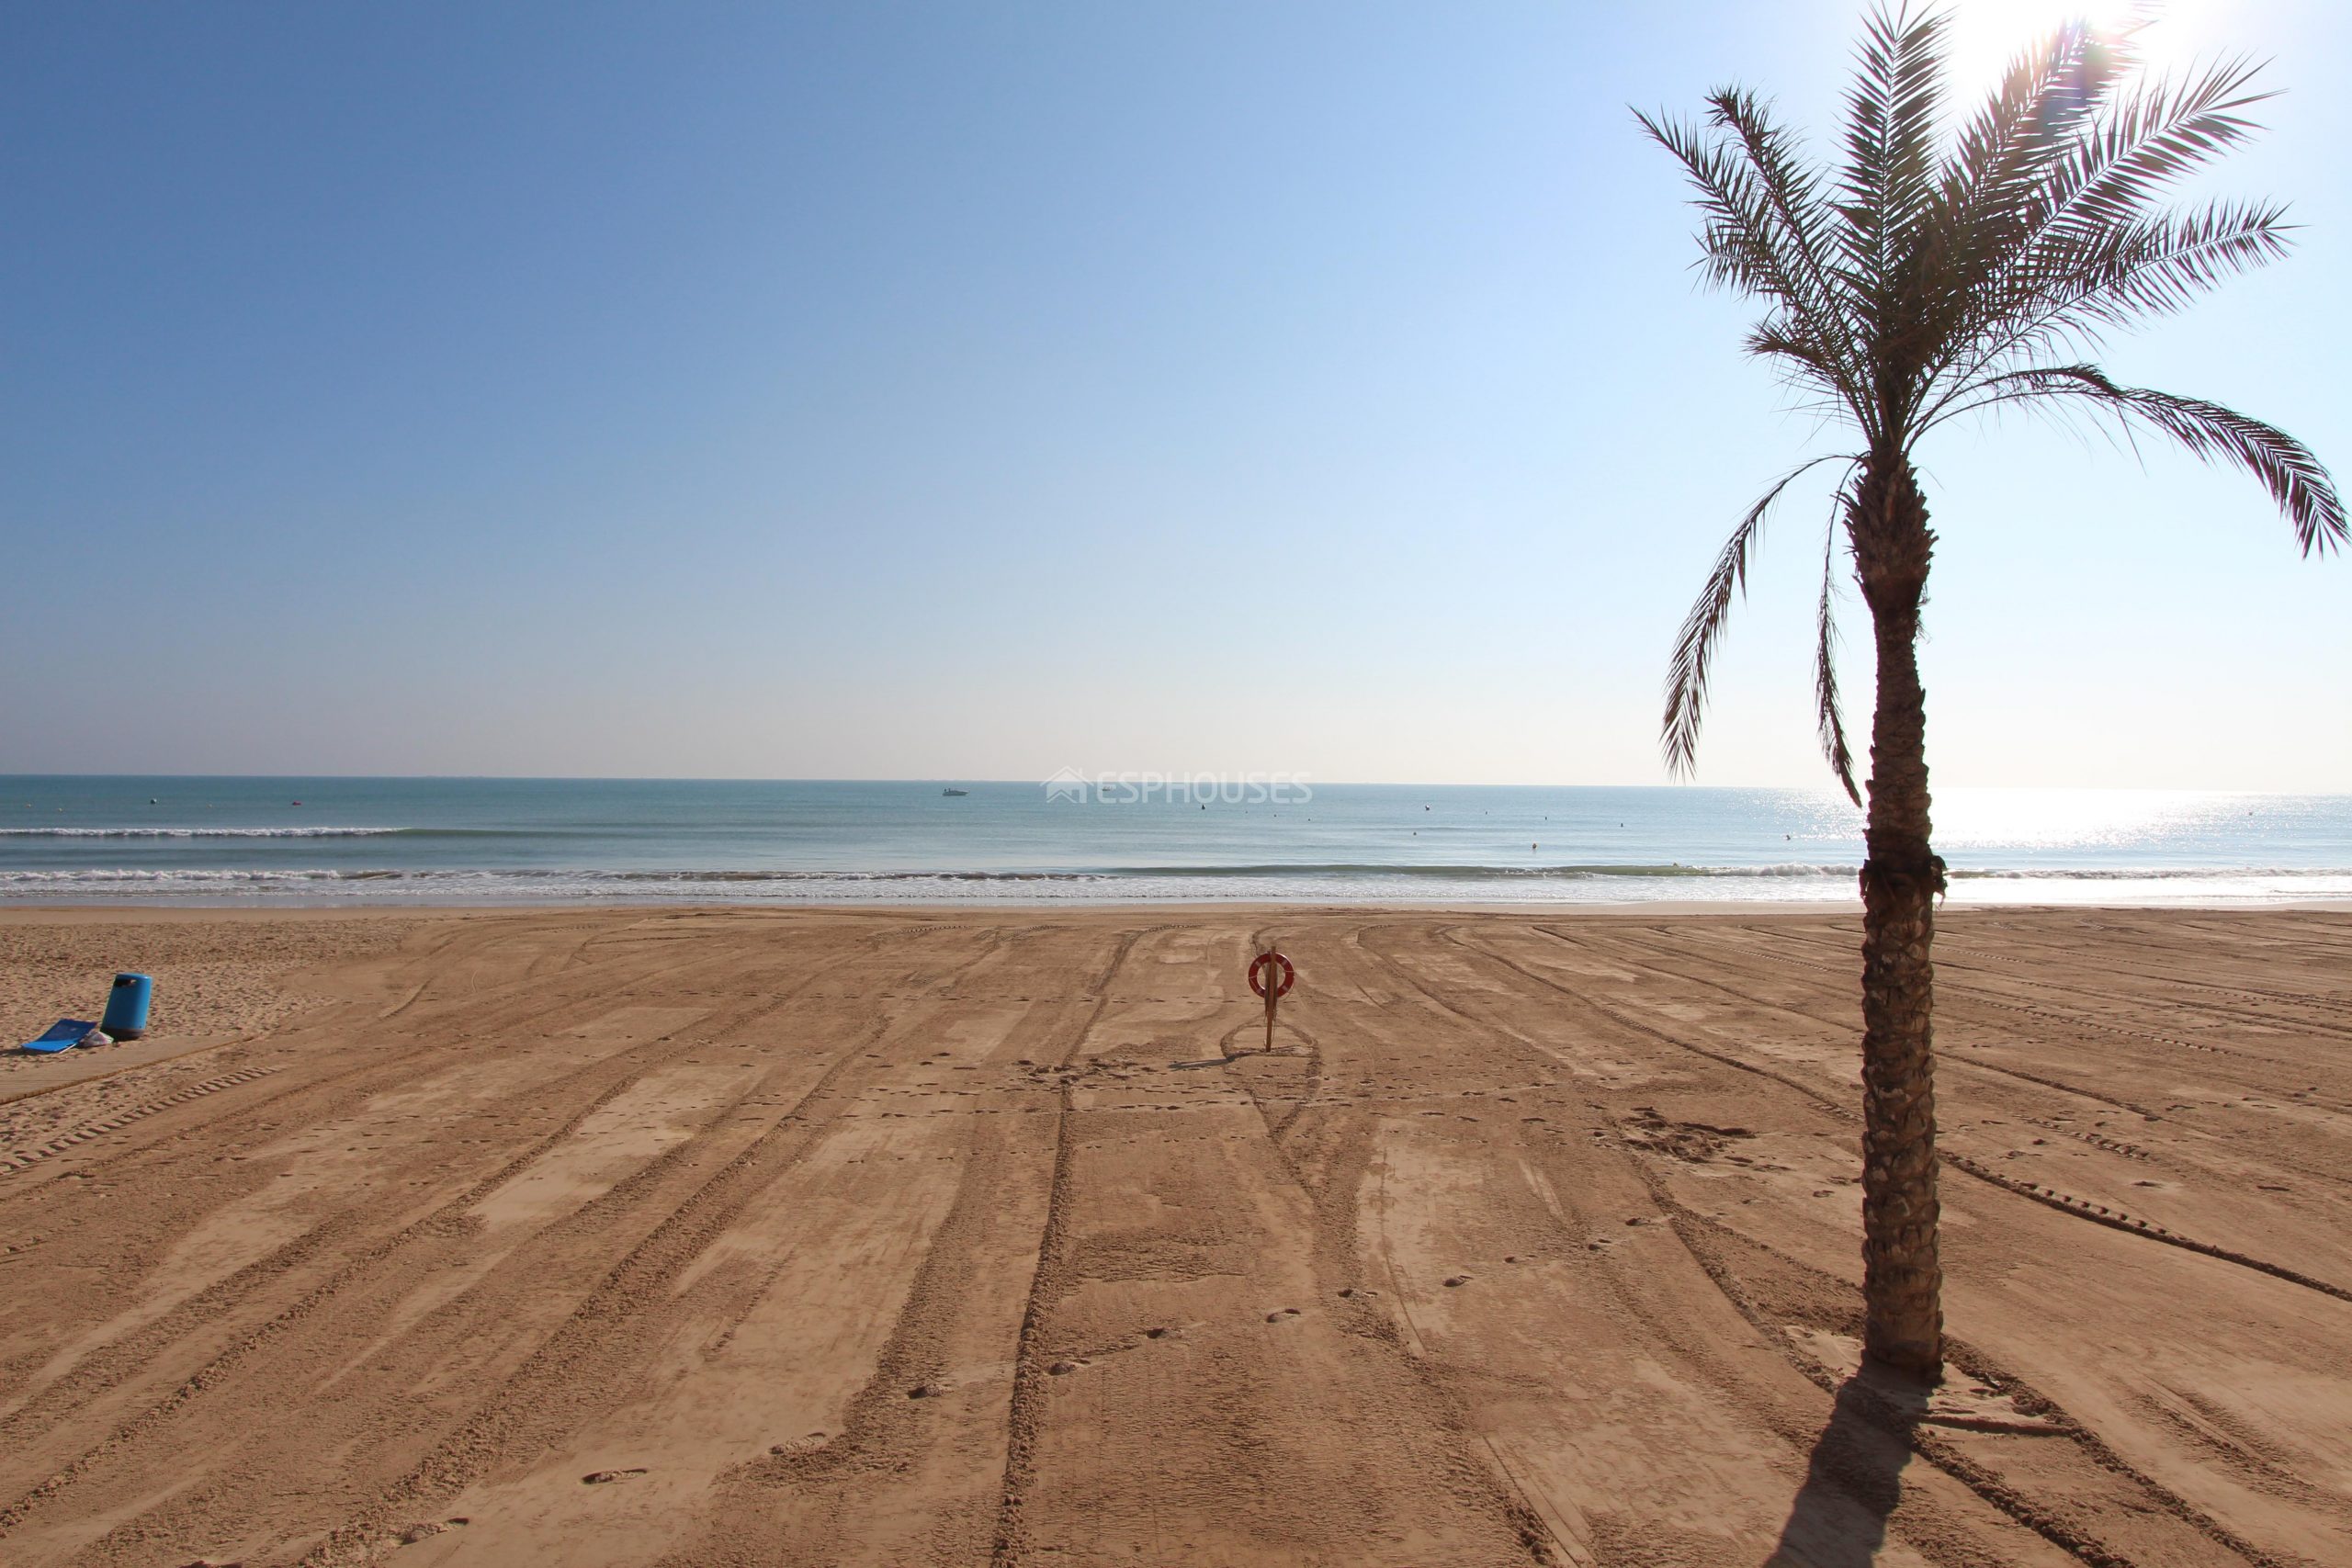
pixel 1829 717
pixel 1792 194
pixel 2296 480
pixel 2146 143
pixel 1703 628
pixel 1746 245
pixel 1888 183
pixel 1993 182
pixel 2029 125
pixel 2150 269
pixel 1802 358
pixel 2067 255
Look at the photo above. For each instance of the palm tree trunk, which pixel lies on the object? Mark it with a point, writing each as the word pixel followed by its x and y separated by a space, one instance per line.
pixel 1902 1279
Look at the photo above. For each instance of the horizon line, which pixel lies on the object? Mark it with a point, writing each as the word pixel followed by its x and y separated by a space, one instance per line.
pixel 1826 788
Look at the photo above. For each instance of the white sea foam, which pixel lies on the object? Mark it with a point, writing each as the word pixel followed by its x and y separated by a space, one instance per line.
pixel 200 832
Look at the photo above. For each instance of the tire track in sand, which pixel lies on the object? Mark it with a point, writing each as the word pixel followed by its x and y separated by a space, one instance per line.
pixel 2065 1203
pixel 1023 1417
pixel 621 1069
pixel 1689 1227
pixel 516 1419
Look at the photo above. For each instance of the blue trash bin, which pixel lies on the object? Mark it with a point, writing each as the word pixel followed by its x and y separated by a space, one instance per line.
pixel 125 1016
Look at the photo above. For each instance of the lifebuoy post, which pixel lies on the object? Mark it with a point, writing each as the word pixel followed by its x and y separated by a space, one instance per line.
pixel 1272 976
pixel 1274 999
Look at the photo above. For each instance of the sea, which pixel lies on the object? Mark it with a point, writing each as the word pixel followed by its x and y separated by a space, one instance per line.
pixel 498 841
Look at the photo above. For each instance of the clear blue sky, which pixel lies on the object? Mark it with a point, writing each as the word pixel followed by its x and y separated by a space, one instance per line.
pixel 978 390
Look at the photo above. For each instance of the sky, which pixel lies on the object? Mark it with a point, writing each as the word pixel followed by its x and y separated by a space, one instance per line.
pixel 974 390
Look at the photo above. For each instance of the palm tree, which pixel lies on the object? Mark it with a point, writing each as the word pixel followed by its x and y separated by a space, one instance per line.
pixel 1922 280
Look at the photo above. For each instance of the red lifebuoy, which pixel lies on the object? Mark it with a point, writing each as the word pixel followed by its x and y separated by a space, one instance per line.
pixel 1264 961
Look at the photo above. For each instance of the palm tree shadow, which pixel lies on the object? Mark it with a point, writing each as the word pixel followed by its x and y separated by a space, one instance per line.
pixel 1853 1479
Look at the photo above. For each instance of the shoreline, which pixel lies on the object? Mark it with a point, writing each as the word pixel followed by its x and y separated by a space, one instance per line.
pixel 1618 909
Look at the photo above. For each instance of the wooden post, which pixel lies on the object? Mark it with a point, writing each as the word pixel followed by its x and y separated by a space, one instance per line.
pixel 1273 978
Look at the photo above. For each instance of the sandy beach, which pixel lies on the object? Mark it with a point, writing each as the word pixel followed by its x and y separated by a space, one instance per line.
pixel 604 1236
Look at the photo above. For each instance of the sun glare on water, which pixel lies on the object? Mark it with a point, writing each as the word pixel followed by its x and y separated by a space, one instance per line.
pixel 2013 819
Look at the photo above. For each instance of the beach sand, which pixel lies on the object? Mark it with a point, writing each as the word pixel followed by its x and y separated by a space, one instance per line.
pixel 605 1237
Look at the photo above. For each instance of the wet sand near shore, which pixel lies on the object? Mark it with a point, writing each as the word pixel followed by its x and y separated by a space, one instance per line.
pixel 986 1236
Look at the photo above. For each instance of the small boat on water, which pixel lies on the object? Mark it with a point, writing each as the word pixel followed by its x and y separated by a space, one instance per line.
pixel 954 792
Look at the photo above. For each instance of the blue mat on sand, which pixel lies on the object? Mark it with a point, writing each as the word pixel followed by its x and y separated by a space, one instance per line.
pixel 64 1035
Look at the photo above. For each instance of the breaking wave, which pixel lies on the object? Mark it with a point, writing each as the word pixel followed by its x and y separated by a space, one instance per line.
pixel 259 833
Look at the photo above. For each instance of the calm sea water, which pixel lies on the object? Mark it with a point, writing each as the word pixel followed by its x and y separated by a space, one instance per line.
pixel 445 840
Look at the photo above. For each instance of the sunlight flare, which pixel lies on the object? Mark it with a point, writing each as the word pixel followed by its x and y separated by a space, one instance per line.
pixel 1987 34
